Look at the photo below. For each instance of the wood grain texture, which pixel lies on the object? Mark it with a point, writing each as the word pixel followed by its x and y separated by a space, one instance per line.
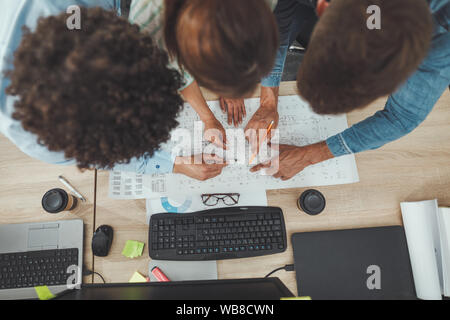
pixel 23 183
pixel 416 167
pixel 128 219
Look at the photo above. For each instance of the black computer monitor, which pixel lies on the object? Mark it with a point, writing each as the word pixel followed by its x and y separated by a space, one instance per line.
pixel 242 289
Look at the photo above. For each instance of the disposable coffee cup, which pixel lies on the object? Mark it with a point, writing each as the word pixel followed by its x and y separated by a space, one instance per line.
pixel 58 200
pixel 311 202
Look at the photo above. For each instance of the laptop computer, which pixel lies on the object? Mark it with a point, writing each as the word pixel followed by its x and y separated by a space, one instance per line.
pixel 40 254
pixel 359 264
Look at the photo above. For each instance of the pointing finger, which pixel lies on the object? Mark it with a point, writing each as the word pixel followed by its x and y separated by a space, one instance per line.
pixel 222 105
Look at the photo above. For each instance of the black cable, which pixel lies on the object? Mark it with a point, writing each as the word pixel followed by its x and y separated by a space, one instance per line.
pixel 103 279
pixel 288 267
pixel 87 272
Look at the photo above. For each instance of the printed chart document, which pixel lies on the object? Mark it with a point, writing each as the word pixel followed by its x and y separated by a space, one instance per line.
pixel 427 229
pixel 298 126
pixel 191 203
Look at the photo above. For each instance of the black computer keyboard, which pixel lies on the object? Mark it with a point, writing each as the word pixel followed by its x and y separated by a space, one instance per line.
pixel 229 233
pixel 36 268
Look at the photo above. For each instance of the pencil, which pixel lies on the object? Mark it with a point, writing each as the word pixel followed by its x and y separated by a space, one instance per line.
pixel 269 129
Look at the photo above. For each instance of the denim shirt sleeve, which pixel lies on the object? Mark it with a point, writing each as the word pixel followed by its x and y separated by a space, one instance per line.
pixel 406 109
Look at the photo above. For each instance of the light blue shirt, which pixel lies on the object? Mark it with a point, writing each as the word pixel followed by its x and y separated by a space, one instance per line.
pixel 14 14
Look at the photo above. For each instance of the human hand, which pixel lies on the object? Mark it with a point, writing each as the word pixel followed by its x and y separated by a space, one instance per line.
pixel 215 133
pixel 200 167
pixel 235 108
pixel 261 120
pixel 263 117
pixel 292 160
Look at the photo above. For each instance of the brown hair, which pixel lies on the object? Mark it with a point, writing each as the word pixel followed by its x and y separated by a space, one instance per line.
pixel 228 46
pixel 347 66
pixel 102 95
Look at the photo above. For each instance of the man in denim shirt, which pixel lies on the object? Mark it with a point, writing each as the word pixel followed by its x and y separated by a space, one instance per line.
pixel 327 84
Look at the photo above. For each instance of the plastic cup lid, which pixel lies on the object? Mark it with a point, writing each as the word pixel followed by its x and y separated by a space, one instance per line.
pixel 312 202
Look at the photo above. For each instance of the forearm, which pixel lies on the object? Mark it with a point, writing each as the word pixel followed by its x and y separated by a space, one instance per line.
pixel 269 97
pixel 193 95
pixel 318 152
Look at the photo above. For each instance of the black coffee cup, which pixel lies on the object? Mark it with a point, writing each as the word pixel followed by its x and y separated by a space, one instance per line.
pixel 58 200
pixel 311 202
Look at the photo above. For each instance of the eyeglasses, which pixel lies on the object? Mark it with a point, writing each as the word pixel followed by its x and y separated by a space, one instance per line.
pixel 229 199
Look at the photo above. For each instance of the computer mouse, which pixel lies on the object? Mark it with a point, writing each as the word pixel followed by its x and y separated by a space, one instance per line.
pixel 102 240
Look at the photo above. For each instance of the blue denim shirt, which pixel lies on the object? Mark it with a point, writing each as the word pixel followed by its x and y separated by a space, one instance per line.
pixel 15 14
pixel 405 109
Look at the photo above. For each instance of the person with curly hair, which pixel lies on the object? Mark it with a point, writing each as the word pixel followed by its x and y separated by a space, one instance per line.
pixel 103 96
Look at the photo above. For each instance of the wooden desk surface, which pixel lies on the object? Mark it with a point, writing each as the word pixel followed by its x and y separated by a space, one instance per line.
pixel 410 169
pixel 24 181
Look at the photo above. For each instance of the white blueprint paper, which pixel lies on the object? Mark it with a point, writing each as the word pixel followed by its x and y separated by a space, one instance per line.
pixel 298 125
pixel 422 234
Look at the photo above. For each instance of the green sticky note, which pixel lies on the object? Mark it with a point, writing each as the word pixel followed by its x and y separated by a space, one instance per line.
pixel 133 249
pixel 44 293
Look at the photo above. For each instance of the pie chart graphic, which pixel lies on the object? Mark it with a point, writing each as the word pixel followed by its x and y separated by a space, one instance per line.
pixel 176 206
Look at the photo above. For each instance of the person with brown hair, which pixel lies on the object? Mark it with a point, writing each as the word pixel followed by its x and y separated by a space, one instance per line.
pixel 217 45
pixel 349 63
pixel 101 96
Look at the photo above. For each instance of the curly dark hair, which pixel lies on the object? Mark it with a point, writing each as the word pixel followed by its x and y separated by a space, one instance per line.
pixel 102 95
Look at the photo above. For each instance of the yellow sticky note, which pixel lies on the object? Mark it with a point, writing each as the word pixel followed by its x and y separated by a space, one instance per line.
pixel 297 298
pixel 44 293
pixel 138 278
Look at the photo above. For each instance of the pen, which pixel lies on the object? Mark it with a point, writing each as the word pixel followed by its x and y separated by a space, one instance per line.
pixel 72 189
pixel 267 133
